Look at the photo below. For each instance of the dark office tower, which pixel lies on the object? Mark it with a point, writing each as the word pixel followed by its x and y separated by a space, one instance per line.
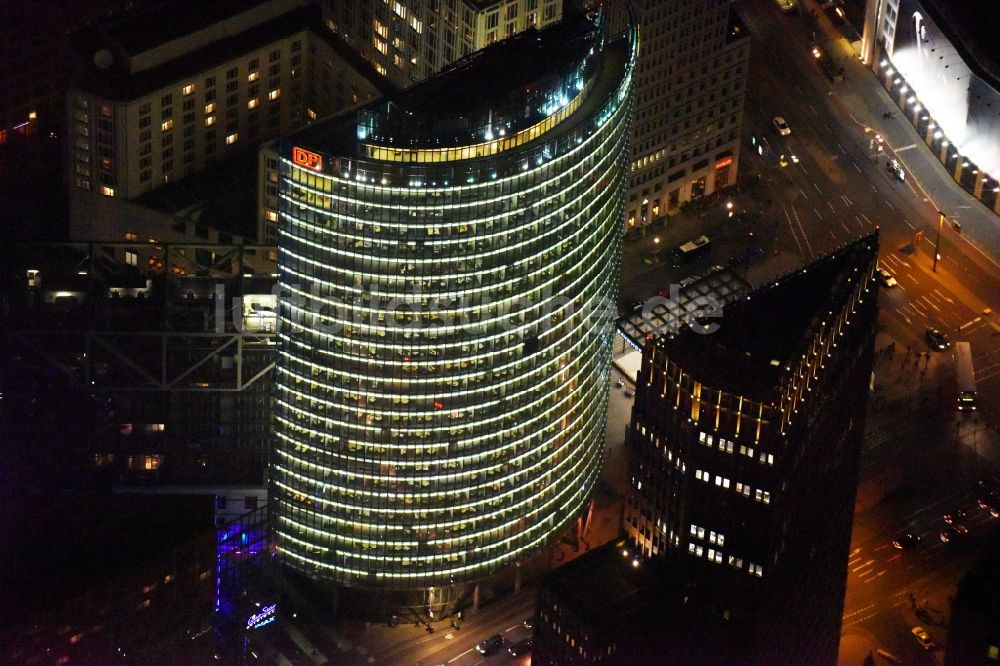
pixel 746 446
pixel 690 84
pixel 446 258
pixel 974 632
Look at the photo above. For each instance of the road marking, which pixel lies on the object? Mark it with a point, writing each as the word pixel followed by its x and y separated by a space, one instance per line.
pixel 881 573
pixel 863 566
pixel 909 224
pixel 885 545
pixel 855 165
pixel 970 323
pixel 803 169
pixel 845 227
pixel 846 200
pixel 831 206
pixel 893 558
pixel 854 552
pixel 874 189
pixel 922 313
pixel 841 148
pixel 912 145
pixel 817 188
pixel 946 298
pixel 817 214
pixel 866 218
pixel 924 297
pixel 889 204
pixel 804 195
pixel 511 628
pixel 461 655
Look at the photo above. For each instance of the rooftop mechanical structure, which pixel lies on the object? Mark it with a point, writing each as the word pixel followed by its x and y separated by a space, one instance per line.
pixel 448 263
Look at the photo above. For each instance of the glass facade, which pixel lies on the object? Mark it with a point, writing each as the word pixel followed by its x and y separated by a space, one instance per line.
pixel 446 335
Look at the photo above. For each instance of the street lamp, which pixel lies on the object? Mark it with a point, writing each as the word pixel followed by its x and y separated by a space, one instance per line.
pixel 937 243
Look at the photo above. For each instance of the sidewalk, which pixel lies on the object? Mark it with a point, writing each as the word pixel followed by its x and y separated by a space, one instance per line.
pixel 864 100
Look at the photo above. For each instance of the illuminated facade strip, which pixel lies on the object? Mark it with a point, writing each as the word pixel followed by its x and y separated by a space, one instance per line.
pixel 474 151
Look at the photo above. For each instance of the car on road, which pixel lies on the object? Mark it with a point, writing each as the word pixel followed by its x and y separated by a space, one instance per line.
pixel 923 638
pixel 955 516
pixel 490 645
pixel 529 623
pixel 520 648
pixel 907 541
pixel 629 392
pixel 688 281
pixel 953 533
pixel 620 383
pixel 781 126
pixel 990 501
pixel 885 278
pixel 937 339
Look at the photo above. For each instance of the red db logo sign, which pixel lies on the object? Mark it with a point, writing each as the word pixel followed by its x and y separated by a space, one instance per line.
pixel 307 159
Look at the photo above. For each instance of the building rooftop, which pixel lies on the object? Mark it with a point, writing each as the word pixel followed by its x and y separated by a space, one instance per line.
pixel 338 135
pixel 974 26
pixel 119 83
pixel 602 587
pixel 493 78
pixel 167 21
pixel 759 336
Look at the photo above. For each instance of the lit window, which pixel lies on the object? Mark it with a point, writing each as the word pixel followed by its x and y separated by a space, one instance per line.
pixel 718 480
pixel 699 551
pixel 770 458
pixel 252 104
pixel 690 547
pixel 166 125
pixel 132 259
pixel 188 89
pixel 154 427
pixel 209 121
pixel 209 108
pixel 272 216
pixel 107 191
pixel 311 114
pixel 131 236
pixel 274 94
pixel 380 46
pixel 701 532
pixel 382 31
pixel 253 76
pixel 231 139
pixel 694 529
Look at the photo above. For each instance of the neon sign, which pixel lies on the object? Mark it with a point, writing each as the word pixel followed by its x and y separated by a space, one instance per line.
pixel 266 616
pixel 723 163
pixel 307 159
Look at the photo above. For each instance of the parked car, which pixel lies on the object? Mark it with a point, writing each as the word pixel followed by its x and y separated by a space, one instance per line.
pixel 955 516
pixel 937 339
pixel 923 638
pixel 519 648
pixel 907 541
pixel 781 126
pixel 529 623
pixel 885 278
pixel 490 645
pixel 953 533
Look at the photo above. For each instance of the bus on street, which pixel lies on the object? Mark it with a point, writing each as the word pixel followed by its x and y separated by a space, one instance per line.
pixel 966 375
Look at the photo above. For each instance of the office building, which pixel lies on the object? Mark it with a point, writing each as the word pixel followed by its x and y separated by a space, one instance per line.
pixel 974 625
pixel 447 258
pixel 408 40
pixel 689 92
pixel 937 60
pixel 168 91
pixel 745 449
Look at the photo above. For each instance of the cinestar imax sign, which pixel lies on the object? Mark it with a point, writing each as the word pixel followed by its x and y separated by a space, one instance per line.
pixel 266 616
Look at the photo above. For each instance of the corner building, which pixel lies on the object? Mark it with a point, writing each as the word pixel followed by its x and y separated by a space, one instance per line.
pixel 746 447
pixel 449 262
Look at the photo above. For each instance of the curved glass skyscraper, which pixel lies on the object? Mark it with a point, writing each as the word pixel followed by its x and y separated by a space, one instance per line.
pixel 449 267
